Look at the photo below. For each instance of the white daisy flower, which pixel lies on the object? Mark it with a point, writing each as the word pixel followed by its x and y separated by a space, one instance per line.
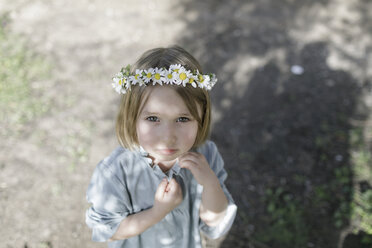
pixel 192 80
pixel 175 75
pixel 213 80
pixel 207 82
pixel 176 80
pixel 201 80
pixel 137 78
pixel 183 76
pixel 175 68
pixel 170 77
pixel 148 75
pixel 119 83
pixel 158 76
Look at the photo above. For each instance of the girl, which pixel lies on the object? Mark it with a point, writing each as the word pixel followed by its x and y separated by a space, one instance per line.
pixel 165 184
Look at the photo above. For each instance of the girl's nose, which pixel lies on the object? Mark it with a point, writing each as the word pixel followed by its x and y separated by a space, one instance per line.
pixel 169 134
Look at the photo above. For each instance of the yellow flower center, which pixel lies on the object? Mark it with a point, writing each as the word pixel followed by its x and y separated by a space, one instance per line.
pixel 148 75
pixel 120 82
pixel 183 76
pixel 157 76
pixel 176 70
pixel 170 76
pixel 201 79
pixel 136 76
pixel 191 80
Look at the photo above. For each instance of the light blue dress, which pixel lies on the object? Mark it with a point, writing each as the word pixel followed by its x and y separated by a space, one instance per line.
pixel 125 183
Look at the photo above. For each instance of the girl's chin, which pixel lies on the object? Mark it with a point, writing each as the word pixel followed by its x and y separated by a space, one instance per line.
pixel 165 160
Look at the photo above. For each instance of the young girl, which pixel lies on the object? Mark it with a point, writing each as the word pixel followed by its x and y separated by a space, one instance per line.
pixel 165 184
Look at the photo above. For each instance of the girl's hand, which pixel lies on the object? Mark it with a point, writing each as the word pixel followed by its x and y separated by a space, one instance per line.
pixel 198 166
pixel 214 202
pixel 167 197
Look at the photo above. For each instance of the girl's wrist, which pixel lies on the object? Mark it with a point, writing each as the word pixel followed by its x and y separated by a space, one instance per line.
pixel 158 212
pixel 210 181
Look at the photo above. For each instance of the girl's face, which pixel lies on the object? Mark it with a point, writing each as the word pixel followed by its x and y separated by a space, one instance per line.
pixel 165 127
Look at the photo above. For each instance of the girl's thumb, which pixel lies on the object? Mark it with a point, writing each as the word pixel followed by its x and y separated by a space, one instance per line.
pixel 162 186
pixel 173 184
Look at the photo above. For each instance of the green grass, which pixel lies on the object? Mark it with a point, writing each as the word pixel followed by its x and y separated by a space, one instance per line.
pixel 286 218
pixel 362 199
pixel 21 70
pixel 288 215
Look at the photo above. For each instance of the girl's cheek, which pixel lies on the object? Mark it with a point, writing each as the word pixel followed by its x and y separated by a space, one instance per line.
pixel 143 128
pixel 190 132
pixel 144 133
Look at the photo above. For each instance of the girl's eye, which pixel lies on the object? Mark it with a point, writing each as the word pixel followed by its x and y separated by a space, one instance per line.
pixel 152 118
pixel 183 119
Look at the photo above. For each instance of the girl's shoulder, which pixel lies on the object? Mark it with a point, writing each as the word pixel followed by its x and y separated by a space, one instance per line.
pixel 208 146
pixel 115 155
pixel 208 149
pixel 118 159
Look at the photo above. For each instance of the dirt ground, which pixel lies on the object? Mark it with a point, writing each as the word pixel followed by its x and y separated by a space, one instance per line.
pixel 266 113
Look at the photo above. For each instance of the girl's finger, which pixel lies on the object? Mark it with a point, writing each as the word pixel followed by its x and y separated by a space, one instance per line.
pixel 189 155
pixel 188 159
pixel 193 156
pixel 162 187
pixel 173 185
pixel 187 164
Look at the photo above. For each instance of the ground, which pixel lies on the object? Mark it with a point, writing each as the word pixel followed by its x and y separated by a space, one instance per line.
pixel 294 93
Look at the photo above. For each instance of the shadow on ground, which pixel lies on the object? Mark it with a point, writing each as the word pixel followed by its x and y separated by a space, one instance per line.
pixel 285 136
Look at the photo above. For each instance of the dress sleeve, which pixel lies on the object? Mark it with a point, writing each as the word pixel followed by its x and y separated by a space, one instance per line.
pixel 216 163
pixel 110 203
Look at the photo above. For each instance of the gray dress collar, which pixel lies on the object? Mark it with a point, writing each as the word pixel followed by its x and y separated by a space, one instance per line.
pixel 175 170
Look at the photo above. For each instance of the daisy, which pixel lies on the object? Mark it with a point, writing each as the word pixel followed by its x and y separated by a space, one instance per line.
pixel 206 82
pixel 175 68
pixel 158 76
pixel 170 77
pixel 137 78
pixel 192 80
pixel 213 80
pixel 200 81
pixel 148 75
pixel 183 76
pixel 119 84
pixel 175 75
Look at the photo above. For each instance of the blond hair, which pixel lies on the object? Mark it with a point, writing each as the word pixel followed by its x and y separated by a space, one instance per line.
pixel 133 101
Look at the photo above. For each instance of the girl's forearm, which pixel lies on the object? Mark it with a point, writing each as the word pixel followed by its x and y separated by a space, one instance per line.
pixel 136 224
pixel 214 203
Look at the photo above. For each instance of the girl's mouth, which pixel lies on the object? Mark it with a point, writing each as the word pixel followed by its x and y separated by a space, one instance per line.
pixel 167 151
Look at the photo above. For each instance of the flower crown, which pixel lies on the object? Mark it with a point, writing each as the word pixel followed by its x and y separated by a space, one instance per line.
pixel 175 75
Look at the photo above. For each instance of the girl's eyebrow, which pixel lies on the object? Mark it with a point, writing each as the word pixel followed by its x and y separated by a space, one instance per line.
pixel 149 113
pixel 155 113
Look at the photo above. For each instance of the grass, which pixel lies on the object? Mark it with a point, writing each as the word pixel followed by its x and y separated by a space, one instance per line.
pixel 21 70
pixel 361 220
pixel 286 217
pixel 345 200
pixel 24 76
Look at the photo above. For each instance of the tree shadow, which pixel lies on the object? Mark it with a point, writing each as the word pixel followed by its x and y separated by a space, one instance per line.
pixel 285 137
pixel 298 147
